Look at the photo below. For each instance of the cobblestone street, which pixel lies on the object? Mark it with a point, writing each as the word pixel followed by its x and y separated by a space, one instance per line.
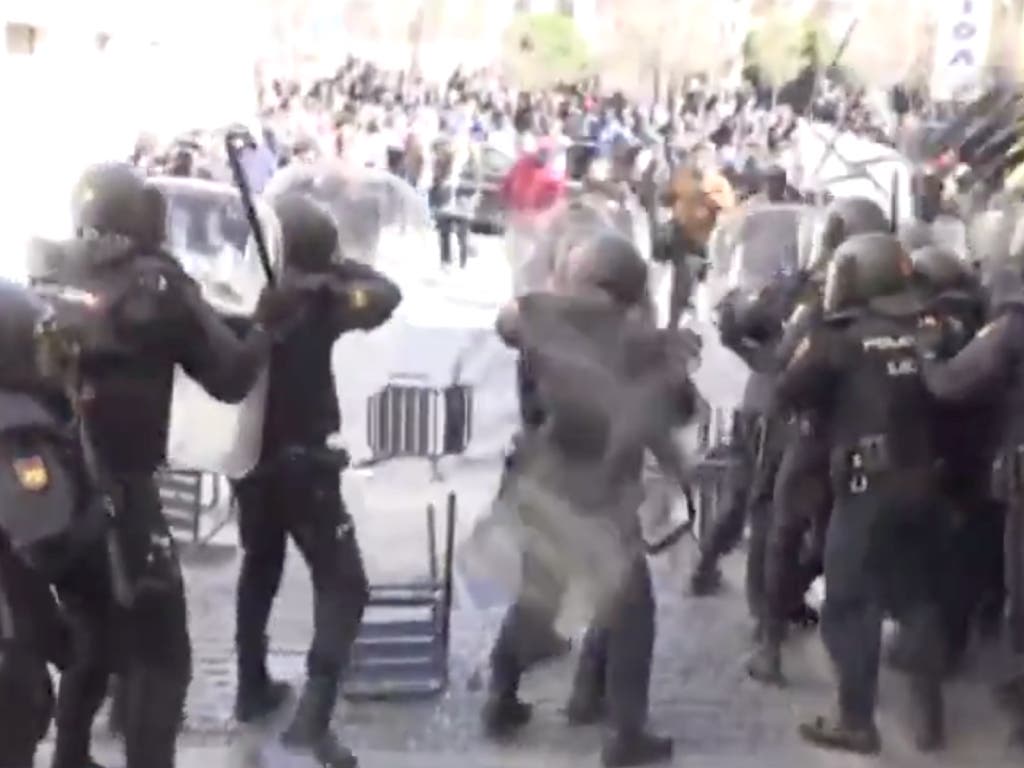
pixel 701 694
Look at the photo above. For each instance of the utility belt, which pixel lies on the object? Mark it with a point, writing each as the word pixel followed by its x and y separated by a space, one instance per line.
pixel 856 468
pixel 312 456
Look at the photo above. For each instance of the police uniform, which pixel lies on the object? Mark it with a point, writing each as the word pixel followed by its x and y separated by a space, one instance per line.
pixel 574 457
pixel 801 497
pixel 967 435
pixel 137 316
pixel 751 329
pixel 882 548
pixel 990 367
pixel 295 490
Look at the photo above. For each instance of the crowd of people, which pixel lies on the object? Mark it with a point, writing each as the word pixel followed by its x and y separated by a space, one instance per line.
pixel 436 137
pixel 880 370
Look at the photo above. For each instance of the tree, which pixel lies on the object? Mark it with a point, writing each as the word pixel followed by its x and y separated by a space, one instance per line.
pixel 665 40
pixel 544 49
pixel 776 48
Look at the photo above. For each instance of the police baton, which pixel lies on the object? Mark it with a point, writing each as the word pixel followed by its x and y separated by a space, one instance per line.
pixel 233 144
pixel 894 202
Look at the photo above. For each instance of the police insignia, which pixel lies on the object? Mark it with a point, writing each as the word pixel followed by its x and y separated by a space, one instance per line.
pixel 359 299
pixel 31 473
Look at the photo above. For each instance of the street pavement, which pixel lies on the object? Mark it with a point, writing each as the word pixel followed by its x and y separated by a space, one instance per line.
pixel 701 695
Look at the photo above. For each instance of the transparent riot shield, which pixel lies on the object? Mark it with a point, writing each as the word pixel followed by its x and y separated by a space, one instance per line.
pixel 208 232
pixel 372 208
pixel 544 242
pixel 748 249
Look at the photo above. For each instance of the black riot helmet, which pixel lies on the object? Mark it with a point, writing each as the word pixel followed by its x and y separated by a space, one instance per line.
pixel 308 232
pixel 845 218
pixel 926 192
pixel 870 270
pixel 610 262
pixel 113 199
pixel 939 270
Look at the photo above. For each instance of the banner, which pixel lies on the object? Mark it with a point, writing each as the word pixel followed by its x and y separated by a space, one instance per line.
pixel 961 46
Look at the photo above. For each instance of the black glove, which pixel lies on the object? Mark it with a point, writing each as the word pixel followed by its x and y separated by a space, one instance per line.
pixel 931 336
pixel 282 306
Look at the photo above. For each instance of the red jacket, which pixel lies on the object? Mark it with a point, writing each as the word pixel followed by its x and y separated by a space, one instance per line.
pixel 530 187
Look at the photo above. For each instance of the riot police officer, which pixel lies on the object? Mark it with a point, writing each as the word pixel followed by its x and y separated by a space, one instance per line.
pixel 29 625
pixel 142 317
pixel 573 455
pixel 860 371
pixel 967 439
pixel 295 489
pixel 991 366
pixel 800 497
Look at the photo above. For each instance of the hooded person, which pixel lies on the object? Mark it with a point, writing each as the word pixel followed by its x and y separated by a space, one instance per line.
pixel 608 386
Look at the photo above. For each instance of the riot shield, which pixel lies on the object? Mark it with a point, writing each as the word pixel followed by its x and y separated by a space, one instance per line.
pixel 208 232
pixel 367 204
pixel 749 248
pixel 756 244
pixel 575 488
pixel 540 257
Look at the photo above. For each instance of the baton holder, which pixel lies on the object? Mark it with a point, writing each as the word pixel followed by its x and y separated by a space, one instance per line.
pixel 403 644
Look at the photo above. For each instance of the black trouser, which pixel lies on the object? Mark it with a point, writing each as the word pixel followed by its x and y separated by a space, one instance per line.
pixel 615 661
pixel 731 515
pixel 766 469
pixel 85 595
pixel 147 638
pixel 883 554
pixel 801 503
pixel 682 288
pixel 749 486
pixel 446 225
pixel 529 621
pixel 28 622
pixel 300 499
pixel 973 587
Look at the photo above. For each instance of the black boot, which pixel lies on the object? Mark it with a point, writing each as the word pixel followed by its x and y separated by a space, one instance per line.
pixel 706 578
pixel 804 616
pixel 258 694
pixel 765 665
pixel 310 728
pixel 257 700
pixel 629 748
pixel 833 733
pixel 1010 693
pixel 585 710
pixel 930 730
pixel 504 715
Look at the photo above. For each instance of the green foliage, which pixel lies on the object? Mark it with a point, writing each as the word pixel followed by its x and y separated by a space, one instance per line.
pixel 819 47
pixel 543 49
pixel 783 45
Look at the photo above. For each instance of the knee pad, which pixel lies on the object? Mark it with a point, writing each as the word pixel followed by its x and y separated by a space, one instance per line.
pixel 26 702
